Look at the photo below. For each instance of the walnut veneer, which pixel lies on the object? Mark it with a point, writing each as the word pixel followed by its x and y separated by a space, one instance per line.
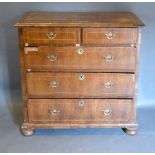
pixel 79 70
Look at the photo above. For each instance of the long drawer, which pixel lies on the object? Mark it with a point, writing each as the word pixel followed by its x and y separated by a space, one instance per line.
pixel 80 85
pixel 109 59
pixel 79 110
pixel 51 36
pixel 109 36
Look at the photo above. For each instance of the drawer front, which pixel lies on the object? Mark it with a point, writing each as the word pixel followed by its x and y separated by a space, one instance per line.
pixel 109 36
pixel 80 85
pixel 51 36
pixel 79 110
pixel 112 59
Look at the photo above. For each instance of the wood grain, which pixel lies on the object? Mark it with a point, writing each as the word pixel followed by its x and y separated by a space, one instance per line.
pixel 98 36
pixel 93 85
pixel 23 74
pixel 56 76
pixel 92 59
pixel 39 36
pixel 77 19
pixel 71 112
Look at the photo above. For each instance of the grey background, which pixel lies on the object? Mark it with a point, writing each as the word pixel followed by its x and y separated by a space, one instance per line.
pixel 10 86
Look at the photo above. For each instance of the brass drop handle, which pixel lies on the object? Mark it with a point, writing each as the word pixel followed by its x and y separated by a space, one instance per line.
pixel 80 51
pixel 54 112
pixel 107 112
pixel 110 35
pixel 52 58
pixel 108 84
pixel 54 84
pixel 51 35
pixel 108 58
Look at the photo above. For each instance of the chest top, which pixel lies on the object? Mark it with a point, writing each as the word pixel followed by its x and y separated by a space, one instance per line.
pixel 85 19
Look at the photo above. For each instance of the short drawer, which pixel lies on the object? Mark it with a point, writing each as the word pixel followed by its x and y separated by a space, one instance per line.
pixel 80 85
pixel 80 110
pixel 109 36
pixel 109 59
pixel 51 36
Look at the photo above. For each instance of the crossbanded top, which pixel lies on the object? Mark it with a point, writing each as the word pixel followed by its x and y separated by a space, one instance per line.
pixel 79 19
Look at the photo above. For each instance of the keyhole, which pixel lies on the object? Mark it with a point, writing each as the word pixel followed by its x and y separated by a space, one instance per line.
pixel 81 103
pixel 81 77
pixel 80 51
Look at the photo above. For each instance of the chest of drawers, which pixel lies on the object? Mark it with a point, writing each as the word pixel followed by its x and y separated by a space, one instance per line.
pixel 79 70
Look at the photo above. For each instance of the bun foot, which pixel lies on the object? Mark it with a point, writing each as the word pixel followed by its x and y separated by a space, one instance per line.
pixel 27 131
pixel 130 131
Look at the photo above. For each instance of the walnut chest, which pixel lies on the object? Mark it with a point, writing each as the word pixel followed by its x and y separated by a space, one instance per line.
pixel 79 70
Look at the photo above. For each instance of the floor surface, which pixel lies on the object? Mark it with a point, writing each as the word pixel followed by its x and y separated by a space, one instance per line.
pixel 75 140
